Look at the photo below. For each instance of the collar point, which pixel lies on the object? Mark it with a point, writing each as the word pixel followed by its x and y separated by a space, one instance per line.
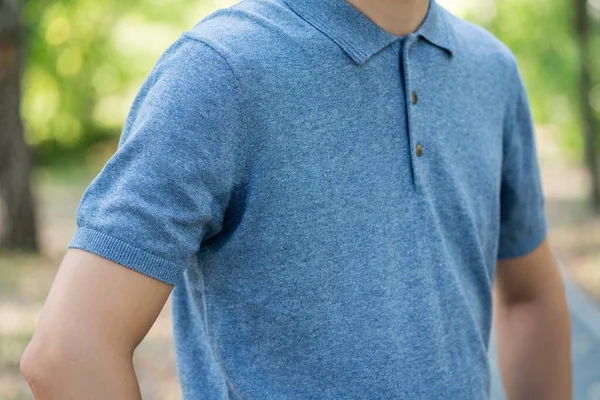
pixel 359 58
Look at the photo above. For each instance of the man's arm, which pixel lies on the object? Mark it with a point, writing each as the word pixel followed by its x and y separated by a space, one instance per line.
pixel 180 158
pixel 532 327
pixel 96 314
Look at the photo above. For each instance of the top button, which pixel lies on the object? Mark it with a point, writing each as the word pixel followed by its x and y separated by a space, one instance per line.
pixel 414 98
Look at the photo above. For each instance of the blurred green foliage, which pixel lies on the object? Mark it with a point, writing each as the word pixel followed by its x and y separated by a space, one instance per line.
pixel 86 59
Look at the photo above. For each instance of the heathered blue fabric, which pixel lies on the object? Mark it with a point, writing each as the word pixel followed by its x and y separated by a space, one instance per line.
pixel 268 170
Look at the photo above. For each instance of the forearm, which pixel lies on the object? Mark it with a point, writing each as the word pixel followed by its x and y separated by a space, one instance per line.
pixel 79 373
pixel 533 340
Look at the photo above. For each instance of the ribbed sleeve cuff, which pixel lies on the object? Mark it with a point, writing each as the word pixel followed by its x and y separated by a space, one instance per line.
pixel 525 243
pixel 126 254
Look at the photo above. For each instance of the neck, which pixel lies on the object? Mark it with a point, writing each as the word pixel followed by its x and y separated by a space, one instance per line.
pixel 398 17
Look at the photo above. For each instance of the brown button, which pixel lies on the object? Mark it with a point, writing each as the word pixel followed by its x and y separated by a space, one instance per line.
pixel 419 150
pixel 414 98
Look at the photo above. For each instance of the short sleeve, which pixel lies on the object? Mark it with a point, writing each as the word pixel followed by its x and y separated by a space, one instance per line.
pixel 178 161
pixel 522 220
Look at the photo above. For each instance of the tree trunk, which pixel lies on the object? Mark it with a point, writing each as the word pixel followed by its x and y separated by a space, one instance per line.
pixel 18 220
pixel 589 121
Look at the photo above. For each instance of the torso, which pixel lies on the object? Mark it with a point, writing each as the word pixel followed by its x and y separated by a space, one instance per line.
pixel 349 266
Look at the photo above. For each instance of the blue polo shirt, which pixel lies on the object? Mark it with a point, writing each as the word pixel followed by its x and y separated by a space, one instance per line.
pixel 328 199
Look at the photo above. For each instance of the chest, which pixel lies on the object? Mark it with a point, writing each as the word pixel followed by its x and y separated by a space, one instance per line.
pixel 410 121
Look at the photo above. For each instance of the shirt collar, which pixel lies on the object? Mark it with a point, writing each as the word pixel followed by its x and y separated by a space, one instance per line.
pixel 358 35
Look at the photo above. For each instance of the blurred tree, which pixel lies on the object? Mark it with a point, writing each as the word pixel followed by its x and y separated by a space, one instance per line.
pixel 18 227
pixel 589 121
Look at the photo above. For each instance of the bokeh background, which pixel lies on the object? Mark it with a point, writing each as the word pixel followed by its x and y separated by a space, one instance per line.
pixel 69 70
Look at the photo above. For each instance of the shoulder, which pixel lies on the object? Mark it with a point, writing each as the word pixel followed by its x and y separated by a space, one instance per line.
pixel 248 31
pixel 190 85
pixel 472 38
pixel 486 62
pixel 188 70
pixel 477 45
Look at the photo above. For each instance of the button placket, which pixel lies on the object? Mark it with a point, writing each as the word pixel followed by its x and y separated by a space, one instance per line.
pixel 412 104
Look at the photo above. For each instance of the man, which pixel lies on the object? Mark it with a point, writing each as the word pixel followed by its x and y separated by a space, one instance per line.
pixel 333 189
